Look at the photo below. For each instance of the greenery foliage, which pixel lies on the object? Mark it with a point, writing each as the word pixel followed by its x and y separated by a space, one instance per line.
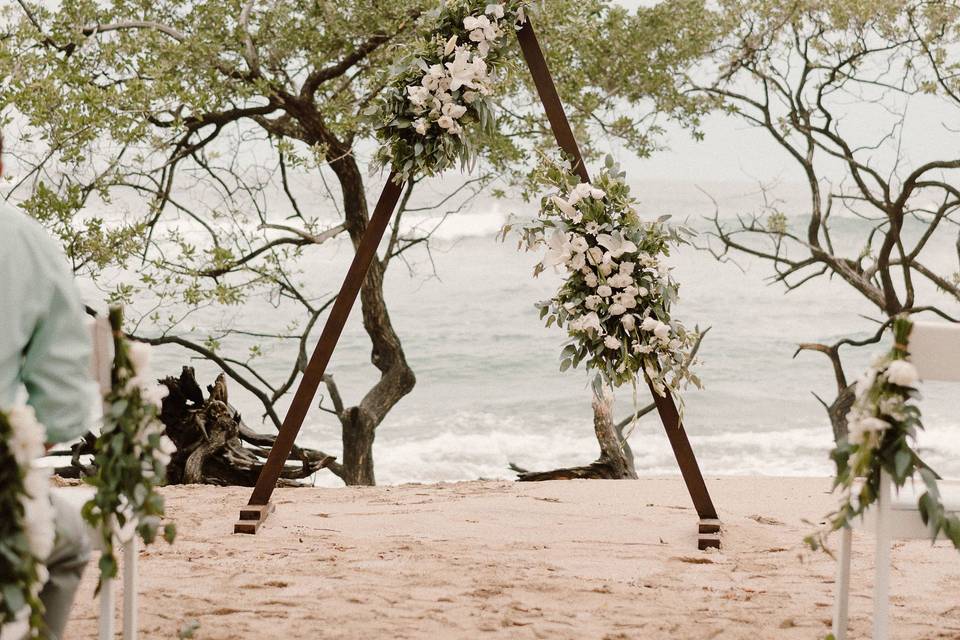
pixel 131 456
pixel 884 423
pixel 617 294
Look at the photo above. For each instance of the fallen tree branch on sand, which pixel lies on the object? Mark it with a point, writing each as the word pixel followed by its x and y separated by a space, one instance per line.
pixel 214 446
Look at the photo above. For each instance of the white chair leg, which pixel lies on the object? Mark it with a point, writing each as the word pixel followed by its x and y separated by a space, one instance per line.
pixel 130 552
pixel 106 610
pixel 881 585
pixel 842 597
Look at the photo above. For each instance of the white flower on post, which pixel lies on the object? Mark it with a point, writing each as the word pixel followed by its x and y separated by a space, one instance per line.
pixel 902 373
pixel 585 190
pixel 27 437
pixel 462 70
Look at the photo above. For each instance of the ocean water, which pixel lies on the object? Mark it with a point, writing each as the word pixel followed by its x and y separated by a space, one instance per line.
pixel 489 390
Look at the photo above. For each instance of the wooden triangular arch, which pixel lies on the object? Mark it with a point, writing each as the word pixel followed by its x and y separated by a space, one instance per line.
pixel 259 505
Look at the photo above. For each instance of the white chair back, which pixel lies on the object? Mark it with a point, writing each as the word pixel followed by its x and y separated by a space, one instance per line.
pixel 101 337
pixel 935 350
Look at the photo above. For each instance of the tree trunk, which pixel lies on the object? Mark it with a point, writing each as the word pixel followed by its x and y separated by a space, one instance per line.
pixel 358 437
pixel 359 424
pixel 616 458
pixel 838 412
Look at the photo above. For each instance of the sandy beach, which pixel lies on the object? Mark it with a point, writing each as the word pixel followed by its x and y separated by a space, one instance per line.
pixel 606 560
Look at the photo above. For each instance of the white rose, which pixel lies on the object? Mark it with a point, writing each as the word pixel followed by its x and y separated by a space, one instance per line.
pixel 596 255
pixel 617 309
pixel 592 302
pixel 605 268
pixel 591 280
pixel 611 342
pixel 604 290
pixel 662 331
pixel 579 244
pixel 649 323
pixel 620 281
pixel 626 268
pixel 902 373
pixel 453 110
pixel 629 322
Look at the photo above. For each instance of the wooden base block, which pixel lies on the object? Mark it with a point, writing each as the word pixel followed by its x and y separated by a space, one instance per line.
pixel 709 526
pixel 251 517
pixel 709 534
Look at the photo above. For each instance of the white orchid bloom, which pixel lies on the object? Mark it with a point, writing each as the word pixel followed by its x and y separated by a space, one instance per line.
pixel 450 46
pixel 590 323
pixel 558 249
pixel 495 10
pixel 462 70
pixel 453 110
pixel 615 244
pixel 565 207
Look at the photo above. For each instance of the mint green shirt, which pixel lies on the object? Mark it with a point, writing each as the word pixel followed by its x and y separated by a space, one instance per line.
pixel 44 340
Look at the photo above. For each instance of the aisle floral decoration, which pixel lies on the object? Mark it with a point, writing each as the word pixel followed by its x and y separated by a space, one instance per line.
pixel 617 292
pixel 131 454
pixel 26 518
pixel 882 426
pixel 441 87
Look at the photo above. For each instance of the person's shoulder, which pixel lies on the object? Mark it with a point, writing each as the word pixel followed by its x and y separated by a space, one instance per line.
pixel 21 235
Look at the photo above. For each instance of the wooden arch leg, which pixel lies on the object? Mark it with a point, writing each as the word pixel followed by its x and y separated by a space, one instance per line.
pixel 709 525
pixel 259 507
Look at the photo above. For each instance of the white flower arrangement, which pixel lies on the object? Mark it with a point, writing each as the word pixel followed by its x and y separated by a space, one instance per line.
pixel 882 425
pixel 616 298
pixel 443 85
pixel 131 454
pixel 26 518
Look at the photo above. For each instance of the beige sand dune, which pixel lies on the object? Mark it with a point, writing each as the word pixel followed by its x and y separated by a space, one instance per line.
pixel 604 560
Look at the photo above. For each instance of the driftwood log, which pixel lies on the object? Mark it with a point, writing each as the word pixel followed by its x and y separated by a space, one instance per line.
pixel 214 446
pixel 616 458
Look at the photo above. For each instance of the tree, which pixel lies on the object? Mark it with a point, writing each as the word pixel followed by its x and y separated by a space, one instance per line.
pixel 202 113
pixel 805 72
